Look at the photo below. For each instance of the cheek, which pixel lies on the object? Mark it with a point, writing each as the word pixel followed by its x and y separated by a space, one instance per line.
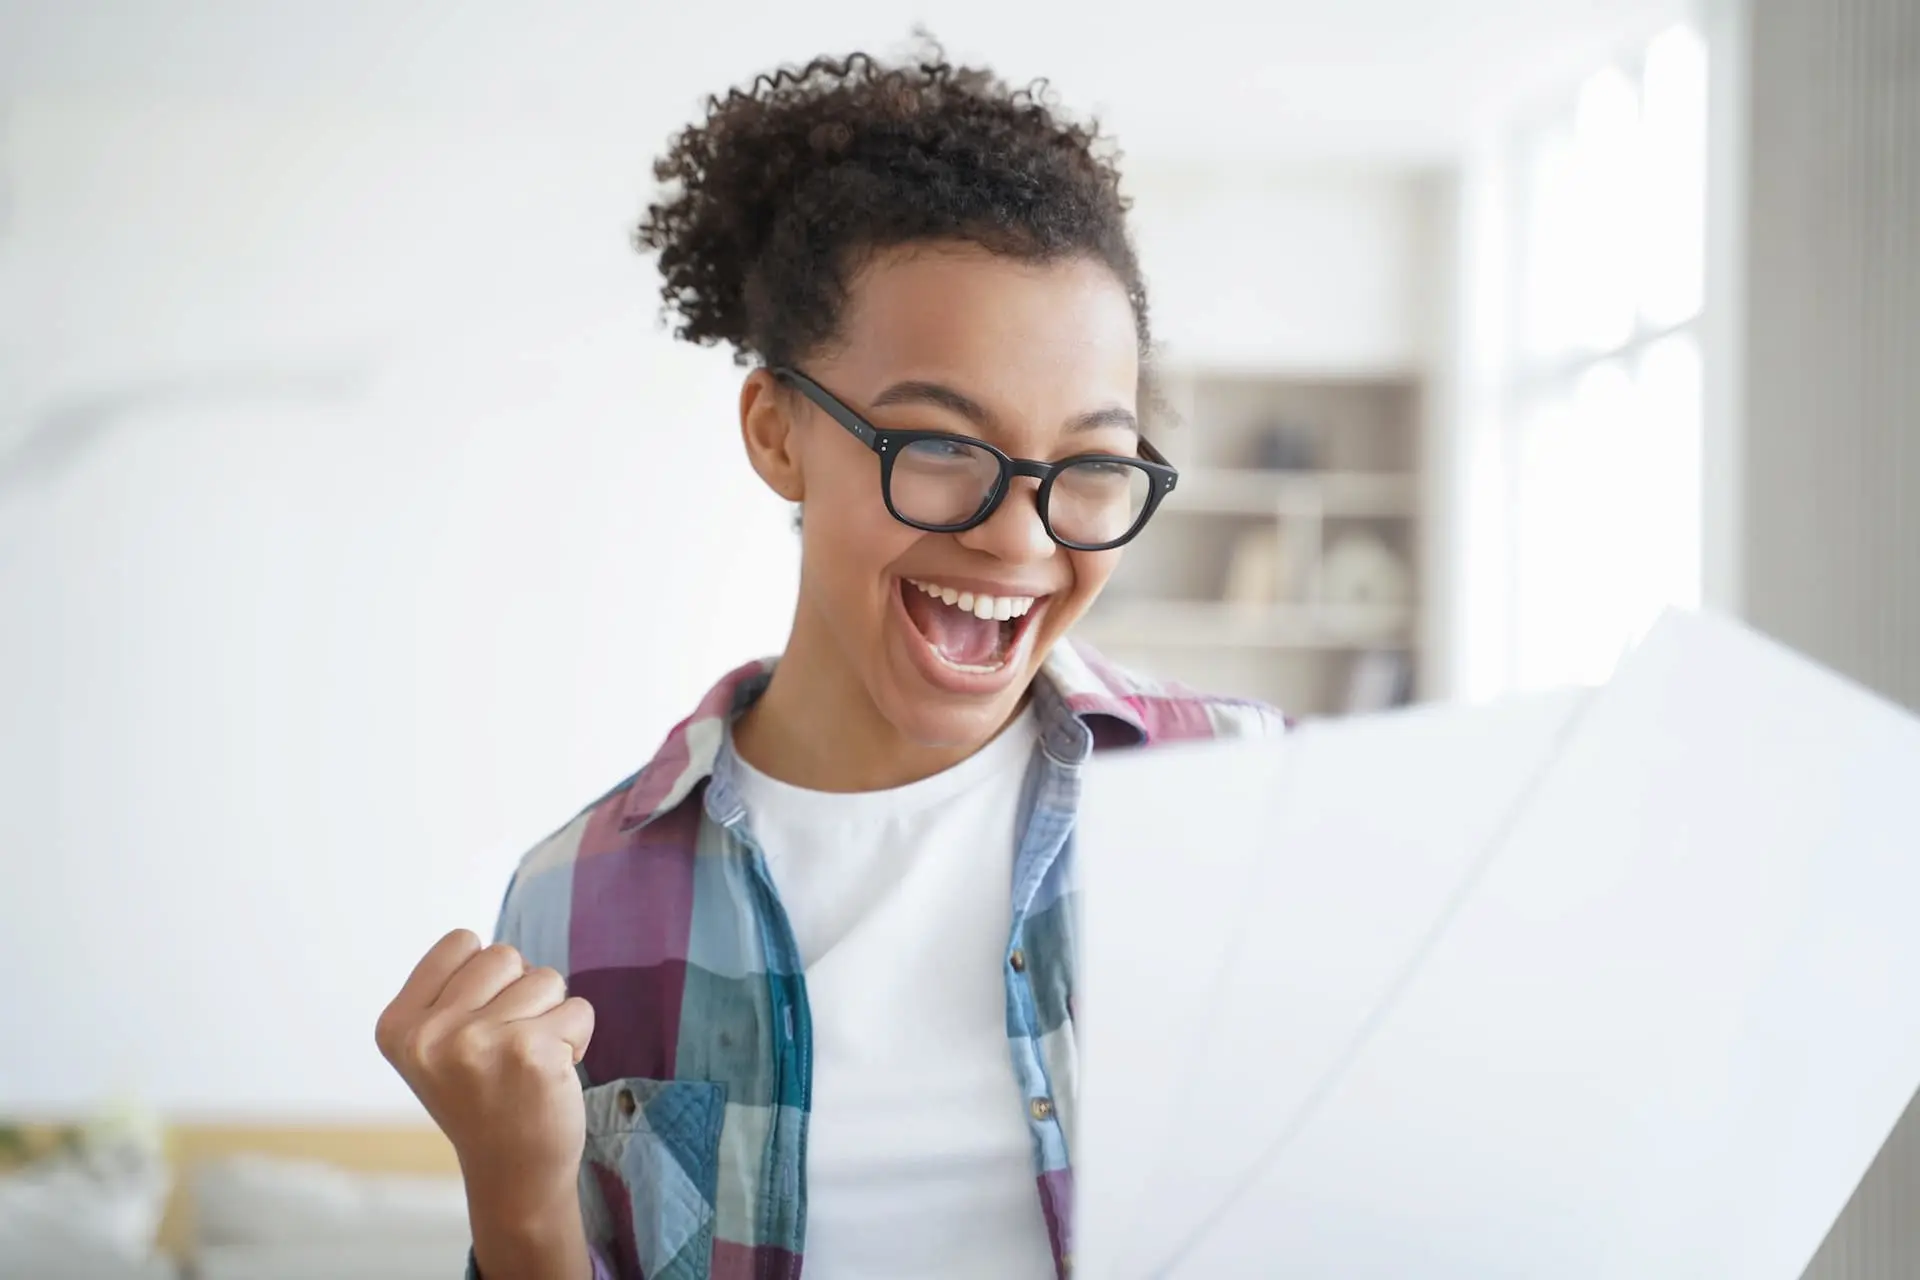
pixel 848 538
pixel 1091 569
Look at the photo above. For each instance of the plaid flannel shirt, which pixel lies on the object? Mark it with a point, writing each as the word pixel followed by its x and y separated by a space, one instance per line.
pixel 657 906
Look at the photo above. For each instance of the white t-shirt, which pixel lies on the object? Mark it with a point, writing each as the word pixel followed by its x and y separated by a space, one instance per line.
pixel 919 1162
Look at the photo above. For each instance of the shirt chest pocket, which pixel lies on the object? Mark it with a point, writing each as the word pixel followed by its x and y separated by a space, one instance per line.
pixel 650 1173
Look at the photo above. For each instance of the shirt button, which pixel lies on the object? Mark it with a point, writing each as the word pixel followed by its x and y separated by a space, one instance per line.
pixel 1041 1108
pixel 1019 961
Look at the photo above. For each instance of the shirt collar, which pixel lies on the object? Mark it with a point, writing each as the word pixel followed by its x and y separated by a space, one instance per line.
pixel 1080 702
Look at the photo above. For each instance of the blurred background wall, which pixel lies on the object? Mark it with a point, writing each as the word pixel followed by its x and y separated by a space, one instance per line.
pixel 1830 556
pixel 359 521
pixel 1828 410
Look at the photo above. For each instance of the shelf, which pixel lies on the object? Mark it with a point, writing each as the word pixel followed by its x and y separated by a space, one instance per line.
pixel 1208 491
pixel 1233 532
pixel 1210 624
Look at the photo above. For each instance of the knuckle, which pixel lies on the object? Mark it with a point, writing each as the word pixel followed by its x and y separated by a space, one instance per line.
pixel 528 1049
pixel 466 1044
pixel 414 1046
pixel 388 1033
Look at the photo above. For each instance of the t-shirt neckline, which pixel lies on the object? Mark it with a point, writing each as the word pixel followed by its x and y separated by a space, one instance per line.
pixel 1009 749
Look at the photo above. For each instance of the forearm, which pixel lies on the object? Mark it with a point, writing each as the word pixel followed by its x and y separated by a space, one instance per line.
pixel 515 1238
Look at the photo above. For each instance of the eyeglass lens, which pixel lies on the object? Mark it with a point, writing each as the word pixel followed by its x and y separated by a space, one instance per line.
pixel 948 482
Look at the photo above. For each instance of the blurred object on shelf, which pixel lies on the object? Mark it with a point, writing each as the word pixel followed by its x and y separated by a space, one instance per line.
pixel 1287 446
pixel 1298 544
pixel 1381 680
pixel 1361 570
pixel 1254 569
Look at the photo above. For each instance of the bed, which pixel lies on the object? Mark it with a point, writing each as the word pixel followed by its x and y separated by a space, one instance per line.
pixel 281 1202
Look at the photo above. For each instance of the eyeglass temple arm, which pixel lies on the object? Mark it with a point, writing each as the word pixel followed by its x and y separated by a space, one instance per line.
pixel 1153 455
pixel 839 412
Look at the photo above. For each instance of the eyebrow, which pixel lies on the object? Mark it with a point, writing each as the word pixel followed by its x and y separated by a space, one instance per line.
pixel 1112 416
pixel 941 396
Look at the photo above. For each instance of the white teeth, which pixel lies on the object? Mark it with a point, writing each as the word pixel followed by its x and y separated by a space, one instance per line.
pixel 1000 608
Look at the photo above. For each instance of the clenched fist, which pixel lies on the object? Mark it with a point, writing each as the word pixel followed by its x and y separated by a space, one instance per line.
pixel 489 1047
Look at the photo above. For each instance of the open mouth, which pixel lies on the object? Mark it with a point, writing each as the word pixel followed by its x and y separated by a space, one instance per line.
pixel 966 630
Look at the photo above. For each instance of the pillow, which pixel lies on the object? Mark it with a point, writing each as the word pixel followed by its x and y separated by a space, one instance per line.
pixel 260 1200
pixel 91 1213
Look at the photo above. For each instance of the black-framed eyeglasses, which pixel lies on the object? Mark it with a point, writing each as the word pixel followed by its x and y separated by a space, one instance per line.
pixel 946 483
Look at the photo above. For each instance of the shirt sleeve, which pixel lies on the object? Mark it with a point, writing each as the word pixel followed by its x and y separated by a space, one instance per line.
pixel 503 931
pixel 500 922
pixel 1236 718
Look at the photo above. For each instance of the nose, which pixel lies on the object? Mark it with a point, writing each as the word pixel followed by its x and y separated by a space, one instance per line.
pixel 1013 533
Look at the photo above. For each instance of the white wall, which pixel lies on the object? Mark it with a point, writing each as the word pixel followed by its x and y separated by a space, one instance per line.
pixel 1318 272
pixel 1829 546
pixel 288 686
pixel 290 675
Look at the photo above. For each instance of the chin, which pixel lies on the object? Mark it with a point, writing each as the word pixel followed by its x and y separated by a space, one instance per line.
pixel 939 728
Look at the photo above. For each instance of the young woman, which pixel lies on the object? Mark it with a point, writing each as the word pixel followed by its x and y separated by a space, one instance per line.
pixel 804 984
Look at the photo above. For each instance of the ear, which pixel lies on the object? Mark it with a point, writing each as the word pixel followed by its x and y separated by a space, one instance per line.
pixel 766 428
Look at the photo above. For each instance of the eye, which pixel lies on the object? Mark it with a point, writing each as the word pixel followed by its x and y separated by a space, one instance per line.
pixel 1103 471
pixel 942 456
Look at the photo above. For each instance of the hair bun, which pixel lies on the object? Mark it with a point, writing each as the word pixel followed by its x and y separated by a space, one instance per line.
pixel 768 202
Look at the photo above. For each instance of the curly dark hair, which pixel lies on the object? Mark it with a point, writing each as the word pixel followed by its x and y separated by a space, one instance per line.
pixel 773 202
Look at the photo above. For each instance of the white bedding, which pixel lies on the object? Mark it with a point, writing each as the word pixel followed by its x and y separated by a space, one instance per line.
pixel 390 1260
pixel 77 1260
pixel 261 1200
pixel 261 1218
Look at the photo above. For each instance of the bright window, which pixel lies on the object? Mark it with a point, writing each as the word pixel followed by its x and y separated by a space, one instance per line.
pixel 1602 415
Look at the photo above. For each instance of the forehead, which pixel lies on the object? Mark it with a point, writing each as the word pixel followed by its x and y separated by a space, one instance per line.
pixel 1037 343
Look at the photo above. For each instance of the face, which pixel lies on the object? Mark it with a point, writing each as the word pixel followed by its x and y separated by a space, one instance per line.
pixel 1040 360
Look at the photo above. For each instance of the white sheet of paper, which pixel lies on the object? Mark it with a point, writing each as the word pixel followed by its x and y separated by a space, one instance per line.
pixel 1133 1097
pixel 1238 906
pixel 1663 1035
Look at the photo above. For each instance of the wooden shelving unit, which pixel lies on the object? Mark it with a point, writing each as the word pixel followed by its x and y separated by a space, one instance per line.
pixel 1279 494
pixel 1286 565
pixel 1207 624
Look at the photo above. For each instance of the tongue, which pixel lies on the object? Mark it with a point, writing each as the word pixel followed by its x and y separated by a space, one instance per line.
pixel 955 635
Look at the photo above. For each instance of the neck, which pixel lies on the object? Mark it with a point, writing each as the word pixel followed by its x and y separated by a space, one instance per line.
pixel 816 727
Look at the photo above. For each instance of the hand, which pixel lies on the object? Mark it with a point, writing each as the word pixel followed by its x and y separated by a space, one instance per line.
pixel 489 1047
